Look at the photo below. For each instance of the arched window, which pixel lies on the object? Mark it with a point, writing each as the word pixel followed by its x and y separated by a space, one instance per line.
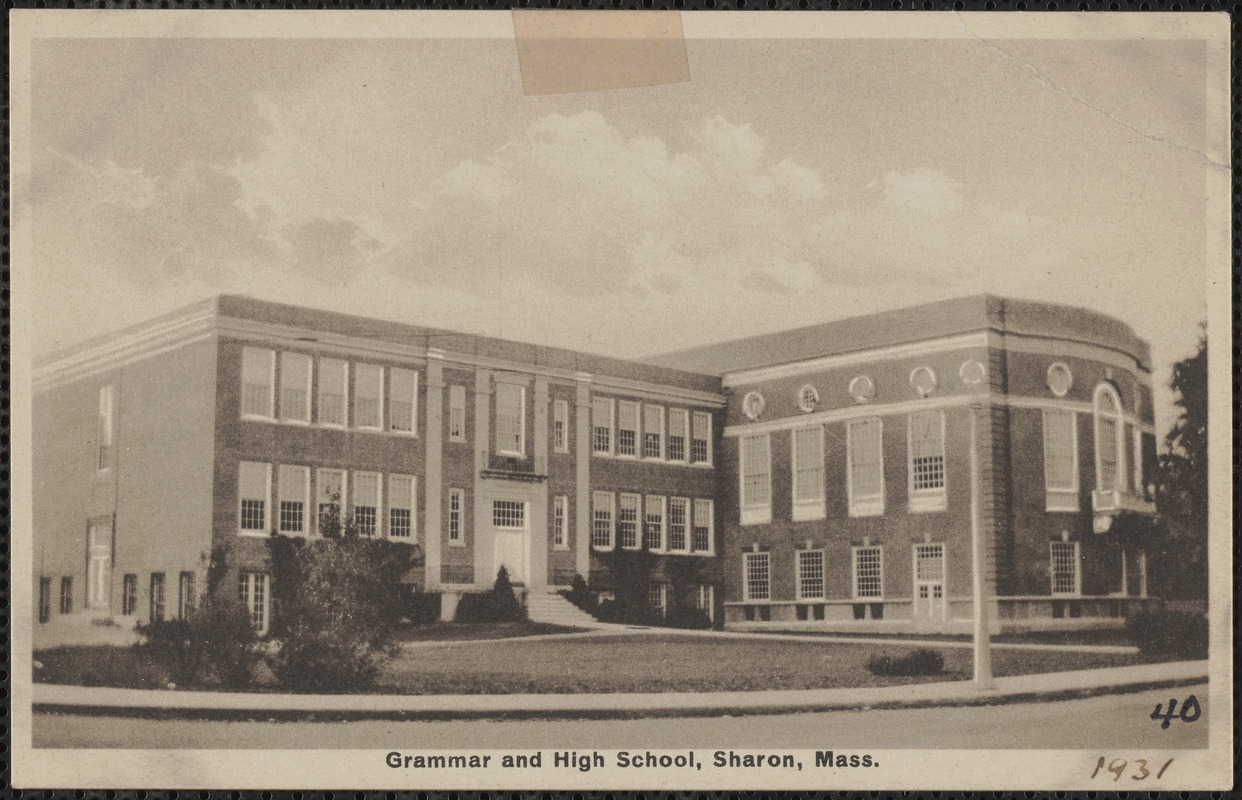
pixel 1109 445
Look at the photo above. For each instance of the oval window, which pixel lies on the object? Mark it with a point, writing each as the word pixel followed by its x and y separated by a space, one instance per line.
pixel 808 398
pixel 923 380
pixel 1059 379
pixel 862 389
pixel 753 405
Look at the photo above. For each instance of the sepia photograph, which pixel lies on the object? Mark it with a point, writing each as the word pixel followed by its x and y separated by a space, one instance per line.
pixel 621 400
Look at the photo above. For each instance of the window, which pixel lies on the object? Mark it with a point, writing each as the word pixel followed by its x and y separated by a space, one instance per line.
pixel 258 368
pixel 402 400
pixel 454 520
pixel 333 391
pixel 1138 461
pixel 808 477
pixel 926 443
pixel 293 487
pixel 510 419
pixel 368 396
pixel 810 574
pixel 99 564
pixel 865 467
pixel 627 428
pixel 457 413
pixel 653 431
pixel 653 523
pixel 401 506
pixel 66 595
pixel 678 519
pixel 755 581
pixel 657 596
pixel 129 595
pixel 560 520
pixel 627 522
pixel 295 387
pixel 705 600
pixel 366 503
pixel 252 591
pixel 601 527
pixel 703 526
pixel 105 431
pixel 1109 446
pixel 756 475
pixel 701 439
pixel 678 422
pixel 1060 460
pixel 157 597
pixel 186 596
pixel 560 426
pixel 1064 568
pixel 331 501
pixel 254 484
pixel 868 573
pixel 509 514
pixel 601 425
pixel 45 599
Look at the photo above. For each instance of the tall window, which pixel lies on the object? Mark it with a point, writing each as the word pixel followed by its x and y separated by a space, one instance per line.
pixel 293 486
pixel 157 597
pixel 678 423
pixel 627 428
pixel 402 400
pixel 560 426
pixel 331 501
pixel 99 568
pixel 1138 460
pixel 756 580
pixel 868 573
pixel 705 600
pixel 295 387
pixel 252 591
pixel 627 521
pixel 601 425
pixel 104 431
pixel 657 596
pixel 45 599
pixel 457 413
pixel 653 522
pixel 66 595
pixel 254 484
pixel 560 520
pixel 369 396
pixel 333 391
pixel 756 475
pixel 926 443
pixel 454 517
pixel 1064 569
pixel 808 468
pixel 810 574
pixel 678 524
pixel 187 596
pixel 702 541
pixel 701 438
pixel 653 431
pixel 1109 445
pixel 401 506
pixel 510 416
pixel 258 368
pixel 865 467
pixel 1060 460
pixel 601 520
pixel 129 595
pixel 366 502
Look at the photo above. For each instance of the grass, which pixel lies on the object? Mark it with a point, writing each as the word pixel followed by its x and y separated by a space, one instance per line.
pixel 467 631
pixel 99 665
pixel 1113 637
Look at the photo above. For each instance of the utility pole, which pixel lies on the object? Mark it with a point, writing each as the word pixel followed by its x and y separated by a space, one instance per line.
pixel 982 645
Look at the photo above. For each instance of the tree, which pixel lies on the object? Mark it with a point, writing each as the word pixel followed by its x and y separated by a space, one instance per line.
pixel 1182 484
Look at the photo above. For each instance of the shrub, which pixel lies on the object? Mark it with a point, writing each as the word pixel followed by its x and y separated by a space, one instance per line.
pixel 921 661
pixel 101 665
pixel 420 608
pixel 688 618
pixel 581 595
pixel 498 605
pixel 1169 633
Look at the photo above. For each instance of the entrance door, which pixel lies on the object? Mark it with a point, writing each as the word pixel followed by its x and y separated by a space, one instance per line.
pixel 929 605
pixel 510 535
pixel 99 566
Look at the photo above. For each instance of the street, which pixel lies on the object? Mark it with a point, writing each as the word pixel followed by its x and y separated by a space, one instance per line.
pixel 1112 721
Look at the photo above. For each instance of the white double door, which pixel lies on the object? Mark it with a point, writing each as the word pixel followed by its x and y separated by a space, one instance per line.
pixel 929 573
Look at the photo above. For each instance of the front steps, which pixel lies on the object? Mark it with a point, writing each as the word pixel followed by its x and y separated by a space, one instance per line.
pixel 553 609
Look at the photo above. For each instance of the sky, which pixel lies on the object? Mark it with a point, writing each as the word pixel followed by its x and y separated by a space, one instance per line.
pixel 787 183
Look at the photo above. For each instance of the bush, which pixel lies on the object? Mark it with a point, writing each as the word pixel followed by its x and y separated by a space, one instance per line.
pixel 101 665
pixel 688 618
pixel 581 595
pixel 1169 633
pixel 921 661
pixel 498 605
pixel 216 646
pixel 420 608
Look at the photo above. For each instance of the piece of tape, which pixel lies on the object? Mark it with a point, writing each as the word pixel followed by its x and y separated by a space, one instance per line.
pixel 563 50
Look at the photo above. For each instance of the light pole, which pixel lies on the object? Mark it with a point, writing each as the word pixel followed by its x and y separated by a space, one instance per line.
pixel 982 648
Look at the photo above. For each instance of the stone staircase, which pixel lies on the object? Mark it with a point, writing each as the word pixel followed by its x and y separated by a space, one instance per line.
pixel 556 610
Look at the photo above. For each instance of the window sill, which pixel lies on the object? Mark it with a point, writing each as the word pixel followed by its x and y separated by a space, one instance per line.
pixel 456 543
pixel 924 504
pixel 253 534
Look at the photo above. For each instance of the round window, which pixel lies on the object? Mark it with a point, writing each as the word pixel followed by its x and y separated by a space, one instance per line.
pixel 753 405
pixel 972 373
pixel 862 389
pixel 1059 379
pixel 923 381
pixel 808 398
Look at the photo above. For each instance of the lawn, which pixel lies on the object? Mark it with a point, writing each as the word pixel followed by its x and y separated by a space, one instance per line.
pixel 466 631
pixel 1112 637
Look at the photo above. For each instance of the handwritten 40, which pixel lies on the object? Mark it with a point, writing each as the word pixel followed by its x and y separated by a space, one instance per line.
pixel 1190 712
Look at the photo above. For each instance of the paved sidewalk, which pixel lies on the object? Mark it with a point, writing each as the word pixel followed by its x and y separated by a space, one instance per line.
pixel 233 705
